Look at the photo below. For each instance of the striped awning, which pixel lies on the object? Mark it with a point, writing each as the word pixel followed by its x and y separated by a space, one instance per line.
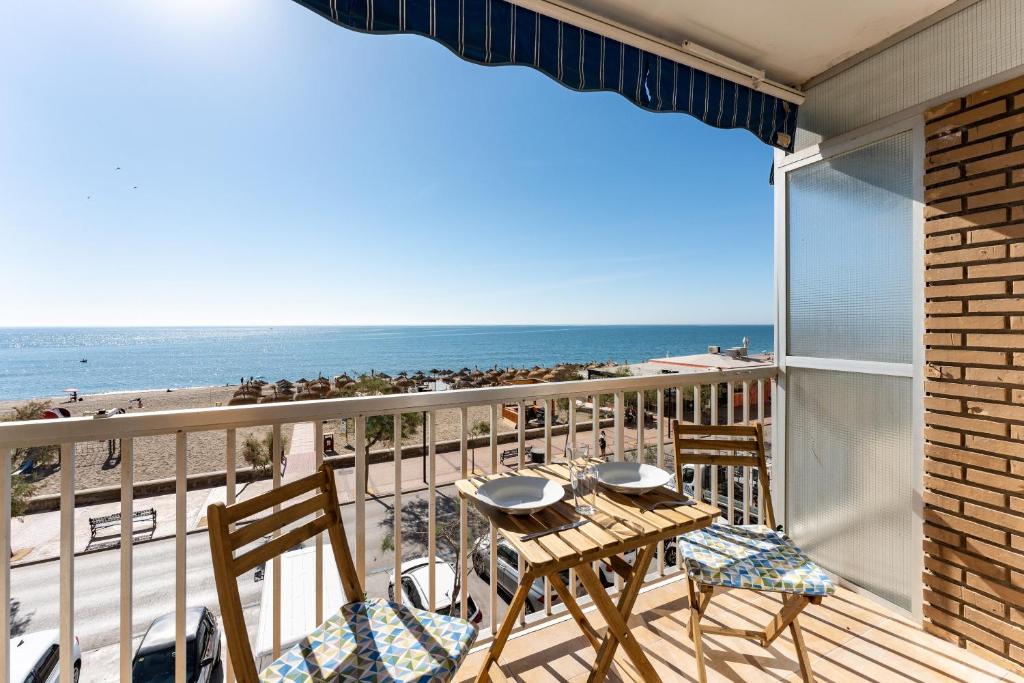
pixel 495 32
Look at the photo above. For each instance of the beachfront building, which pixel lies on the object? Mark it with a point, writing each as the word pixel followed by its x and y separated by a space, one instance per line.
pixel 898 430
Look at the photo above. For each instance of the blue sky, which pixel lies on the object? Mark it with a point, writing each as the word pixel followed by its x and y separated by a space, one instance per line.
pixel 278 169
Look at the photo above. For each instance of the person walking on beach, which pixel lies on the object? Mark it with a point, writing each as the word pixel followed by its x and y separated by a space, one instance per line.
pixel 602 443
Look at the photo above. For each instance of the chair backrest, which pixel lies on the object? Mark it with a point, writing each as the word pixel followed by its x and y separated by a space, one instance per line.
pixel 743 446
pixel 225 541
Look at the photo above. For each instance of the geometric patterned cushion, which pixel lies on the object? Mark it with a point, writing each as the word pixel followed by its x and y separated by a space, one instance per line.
pixel 755 557
pixel 376 642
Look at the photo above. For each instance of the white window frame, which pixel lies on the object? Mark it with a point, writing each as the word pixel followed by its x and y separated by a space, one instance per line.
pixel 784 164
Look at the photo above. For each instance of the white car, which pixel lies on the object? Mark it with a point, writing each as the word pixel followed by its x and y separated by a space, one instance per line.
pixel 35 657
pixel 416 579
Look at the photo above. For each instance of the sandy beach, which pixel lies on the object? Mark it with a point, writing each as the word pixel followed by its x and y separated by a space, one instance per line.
pixel 154 456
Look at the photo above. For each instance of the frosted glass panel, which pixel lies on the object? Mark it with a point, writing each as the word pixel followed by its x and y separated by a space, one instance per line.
pixel 850 225
pixel 848 469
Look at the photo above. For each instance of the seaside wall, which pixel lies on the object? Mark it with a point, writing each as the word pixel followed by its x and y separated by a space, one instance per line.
pixel 974 374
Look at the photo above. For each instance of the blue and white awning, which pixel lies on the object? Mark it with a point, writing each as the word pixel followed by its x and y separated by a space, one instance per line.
pixel 495 32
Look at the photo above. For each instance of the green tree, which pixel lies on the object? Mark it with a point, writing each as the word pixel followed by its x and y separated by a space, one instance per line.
pixel 25 461
pixel 35 456
pixel 381 428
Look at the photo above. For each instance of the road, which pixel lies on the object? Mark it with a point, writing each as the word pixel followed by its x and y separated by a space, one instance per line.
pixel 35 589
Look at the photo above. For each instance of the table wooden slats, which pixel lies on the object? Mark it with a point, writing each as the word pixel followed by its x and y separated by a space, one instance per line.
pixel 620 524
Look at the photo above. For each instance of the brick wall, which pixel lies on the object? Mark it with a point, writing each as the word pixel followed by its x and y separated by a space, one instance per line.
pixel 974 374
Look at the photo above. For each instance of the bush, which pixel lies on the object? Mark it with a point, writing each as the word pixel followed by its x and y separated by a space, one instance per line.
pixel 258 452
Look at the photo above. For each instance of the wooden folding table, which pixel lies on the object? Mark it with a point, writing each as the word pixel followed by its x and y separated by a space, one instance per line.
pixel 621 524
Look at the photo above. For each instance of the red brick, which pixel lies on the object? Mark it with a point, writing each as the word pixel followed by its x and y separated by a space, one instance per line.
pixel 947 536
pixel 938 500
pixel 950 239
pixel 998 625
pixel 965 491
pixel 978 149
pixel 1000 554
pixel 1001 410
pixel 967 424
pixel 1017 213
pixel 949 405
pixel 957 625
pixel 1013 194
pixel 1001 90
pixel 1010 485
pixel 957 523
pixel 1004 232
pixel 943 372
pixel 1003 520
pixel 996 341
pixel 965 290
pixel 939 600
pixel 944 274
pixel 946 108
pixel 965 187
pixel 965 118
pixel 970 220
pixel 963 457
pixel 1018 287
pixel 954 590
pixel 966 390
pixel 943 436
pixel 970 322
pixel 943 339
pixel 943 142
pixel 943 176
pixel 1010 448
pixel 1013 305
pixel 1017 468
pixel 992 587
pixel 969 255
pixel 1000 125
pixel 1008 269
pixel 940 307
pixel 941 209
pixel 966 560
pixel 967 357
pixel 996 163
pixel 946 571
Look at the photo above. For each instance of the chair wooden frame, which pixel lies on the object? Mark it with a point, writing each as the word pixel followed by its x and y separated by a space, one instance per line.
pixel 745 444
pixel 225 540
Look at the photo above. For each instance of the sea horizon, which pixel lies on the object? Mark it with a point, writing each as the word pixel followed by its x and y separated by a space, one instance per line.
pixel 37 362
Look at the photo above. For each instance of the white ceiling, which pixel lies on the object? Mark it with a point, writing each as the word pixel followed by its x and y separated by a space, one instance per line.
pixel 792 40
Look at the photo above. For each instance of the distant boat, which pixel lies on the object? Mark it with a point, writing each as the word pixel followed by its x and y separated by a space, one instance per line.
pixel 84 360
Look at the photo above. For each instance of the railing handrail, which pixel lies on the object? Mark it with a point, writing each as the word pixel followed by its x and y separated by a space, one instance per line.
pixel 32 433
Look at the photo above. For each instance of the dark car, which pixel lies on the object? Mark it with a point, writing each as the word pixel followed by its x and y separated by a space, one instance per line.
pixel 154 660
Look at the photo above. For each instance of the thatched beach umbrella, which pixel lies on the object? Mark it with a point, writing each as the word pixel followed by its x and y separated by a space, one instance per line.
pixel 245 400
pixel 536 373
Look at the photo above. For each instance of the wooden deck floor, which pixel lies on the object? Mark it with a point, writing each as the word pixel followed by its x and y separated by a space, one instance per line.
pixel 850 637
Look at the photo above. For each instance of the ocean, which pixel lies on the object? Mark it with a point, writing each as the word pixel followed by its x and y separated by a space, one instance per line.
pixel 45 361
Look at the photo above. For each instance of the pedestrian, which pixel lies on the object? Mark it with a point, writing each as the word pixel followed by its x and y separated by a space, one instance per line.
pixel 602 443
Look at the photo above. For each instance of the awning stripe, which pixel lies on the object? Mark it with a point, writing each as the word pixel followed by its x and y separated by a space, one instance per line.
pixel 496 32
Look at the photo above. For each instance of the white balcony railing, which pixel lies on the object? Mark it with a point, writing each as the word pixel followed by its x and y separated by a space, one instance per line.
pixel 739 502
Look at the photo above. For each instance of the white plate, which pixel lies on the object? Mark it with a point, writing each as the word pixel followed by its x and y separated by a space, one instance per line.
pixel 631 477
pixel 520 495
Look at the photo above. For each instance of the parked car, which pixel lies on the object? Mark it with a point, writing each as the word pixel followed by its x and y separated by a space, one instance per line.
pixel 508 573
pixel 35 657
pixel 415 578
pixel 154 659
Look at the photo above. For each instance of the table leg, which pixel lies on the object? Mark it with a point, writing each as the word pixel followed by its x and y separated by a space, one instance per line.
pixel 518 600
pixel 626 601
pixel 618 631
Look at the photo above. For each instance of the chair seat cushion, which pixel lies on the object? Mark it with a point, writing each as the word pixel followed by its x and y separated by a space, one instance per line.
pixel 754 557
pixel 377 641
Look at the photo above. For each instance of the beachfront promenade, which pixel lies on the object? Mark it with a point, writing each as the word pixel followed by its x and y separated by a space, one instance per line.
pixel 36 536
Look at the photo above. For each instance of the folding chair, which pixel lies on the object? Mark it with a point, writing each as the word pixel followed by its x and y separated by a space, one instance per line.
pixel 752 557
pixel 367 639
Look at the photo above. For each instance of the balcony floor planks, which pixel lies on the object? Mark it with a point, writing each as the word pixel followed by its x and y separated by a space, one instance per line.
pixel 850 638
